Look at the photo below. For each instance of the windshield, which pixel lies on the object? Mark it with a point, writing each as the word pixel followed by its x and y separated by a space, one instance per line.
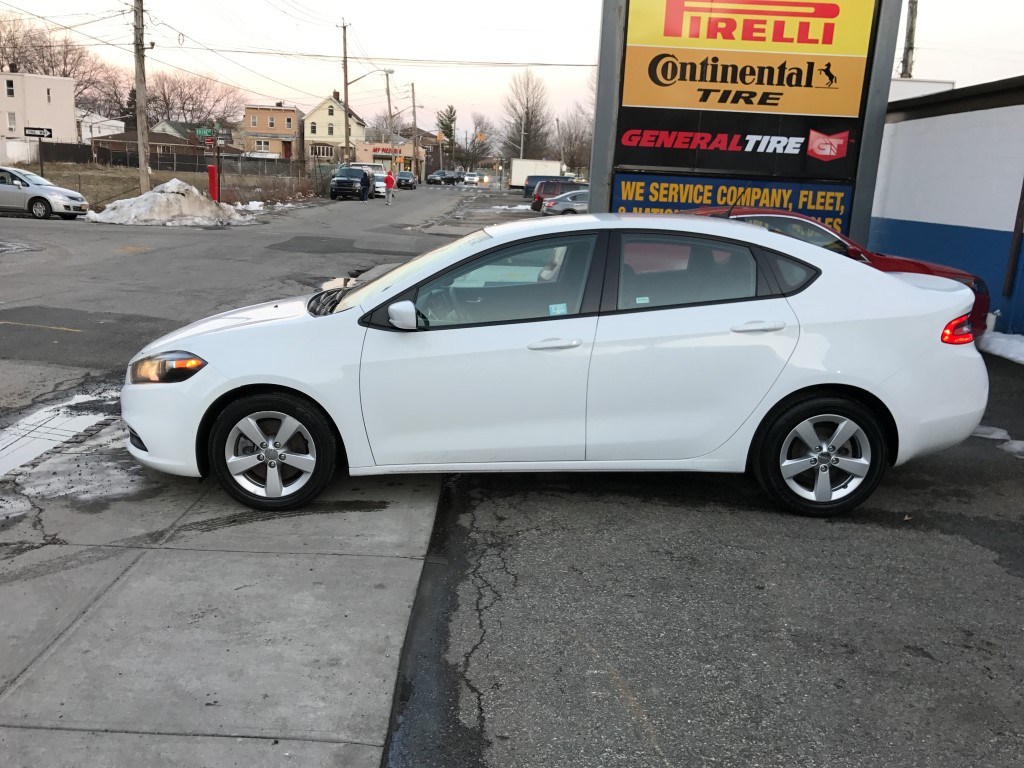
pixel 366 293
pixel 35 178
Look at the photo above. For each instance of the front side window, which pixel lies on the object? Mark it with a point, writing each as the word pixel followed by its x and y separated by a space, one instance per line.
pixel 330 129
pixel 536 280
pixel 287 122
pixel 262 145
pixel 271 121
pixel 312 128
pixel 799 229
pixel 10 87
pixel 253 121
pixel 657 270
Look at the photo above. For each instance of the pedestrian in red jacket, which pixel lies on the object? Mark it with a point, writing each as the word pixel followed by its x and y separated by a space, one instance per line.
pixel 389 188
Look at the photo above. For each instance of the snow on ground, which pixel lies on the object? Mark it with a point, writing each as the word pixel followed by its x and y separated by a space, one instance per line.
pixel 252 205
pixel 523 207
pixel 1008 345
pixel 174 204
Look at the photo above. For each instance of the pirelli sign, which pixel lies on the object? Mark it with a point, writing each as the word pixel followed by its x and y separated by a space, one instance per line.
pixel 791 57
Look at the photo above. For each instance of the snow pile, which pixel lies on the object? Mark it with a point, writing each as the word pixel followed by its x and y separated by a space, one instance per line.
pixel 252 205
pixel 1008 345
pixel 174 204
pixel 522 207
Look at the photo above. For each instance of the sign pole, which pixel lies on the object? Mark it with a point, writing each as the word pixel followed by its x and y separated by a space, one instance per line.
pixel 41 156
pixel 609 68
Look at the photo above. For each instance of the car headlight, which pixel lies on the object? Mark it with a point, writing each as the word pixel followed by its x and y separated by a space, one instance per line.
pixel 165 368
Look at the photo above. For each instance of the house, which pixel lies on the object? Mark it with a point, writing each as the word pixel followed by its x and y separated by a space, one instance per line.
pixel 92 125
pixel 37 101
pixel 271 131
pixel 325 130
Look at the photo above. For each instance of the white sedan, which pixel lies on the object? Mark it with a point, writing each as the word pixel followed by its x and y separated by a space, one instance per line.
pixel 602 343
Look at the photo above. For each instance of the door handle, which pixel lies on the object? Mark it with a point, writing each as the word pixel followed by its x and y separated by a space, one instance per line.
pixel 555 344
pixel 759 326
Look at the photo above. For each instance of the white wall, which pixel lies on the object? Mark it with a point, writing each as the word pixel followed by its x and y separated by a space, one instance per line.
pixel 962 169
pixel 18 151
pixel 909 88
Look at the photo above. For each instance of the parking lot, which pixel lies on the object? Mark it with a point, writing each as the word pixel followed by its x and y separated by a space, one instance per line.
pixel 600 619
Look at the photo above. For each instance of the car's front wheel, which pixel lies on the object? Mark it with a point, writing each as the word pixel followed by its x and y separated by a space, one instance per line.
pixel 272 452
pixel 39 208
pixel 821 457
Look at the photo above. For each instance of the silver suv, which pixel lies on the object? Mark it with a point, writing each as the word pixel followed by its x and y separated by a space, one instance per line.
pixel 25 192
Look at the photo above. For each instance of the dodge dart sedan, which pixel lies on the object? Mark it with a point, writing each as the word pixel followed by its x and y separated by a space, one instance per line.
pixel 595 343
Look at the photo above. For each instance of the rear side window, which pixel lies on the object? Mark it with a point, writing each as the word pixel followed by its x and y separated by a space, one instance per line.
pixel 793 275
pixel 669 270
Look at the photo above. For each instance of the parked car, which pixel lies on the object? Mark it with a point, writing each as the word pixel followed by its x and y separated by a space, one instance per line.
pixel 532 181
pixel 680 343
pixel 405 180
pixel 437 177
pixel 471 178
pixel 26 192
pixel 812 231
pixel 347 183
pixel 550 188
pixel 567 202
pixel 377 173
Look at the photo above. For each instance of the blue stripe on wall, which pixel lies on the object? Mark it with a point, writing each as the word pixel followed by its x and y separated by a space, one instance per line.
pixel 983 252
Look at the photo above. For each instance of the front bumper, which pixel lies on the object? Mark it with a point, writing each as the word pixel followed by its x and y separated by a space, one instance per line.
pixel 166 418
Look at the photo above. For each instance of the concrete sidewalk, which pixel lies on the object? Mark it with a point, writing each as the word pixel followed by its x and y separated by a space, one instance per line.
pixel 165 625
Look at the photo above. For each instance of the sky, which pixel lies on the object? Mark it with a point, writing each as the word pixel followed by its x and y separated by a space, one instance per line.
pixel 457 52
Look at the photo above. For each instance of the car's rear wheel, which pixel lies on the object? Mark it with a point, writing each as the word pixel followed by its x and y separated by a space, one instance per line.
pixel 821 457
pixel 272 452
pixel 570 210
pixel 39 208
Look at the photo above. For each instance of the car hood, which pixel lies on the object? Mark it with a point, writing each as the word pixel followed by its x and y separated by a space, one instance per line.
pixel 889 263
pixel 258 314
pixel 52 190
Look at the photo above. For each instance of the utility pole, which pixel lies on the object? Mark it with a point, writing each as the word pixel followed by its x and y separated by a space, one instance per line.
pixel 415 139
pixel 344 71
pixel 907 67
pixel 522 134
pixel 141 124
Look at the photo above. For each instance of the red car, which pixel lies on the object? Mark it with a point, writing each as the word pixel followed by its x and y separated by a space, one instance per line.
pixel 813 231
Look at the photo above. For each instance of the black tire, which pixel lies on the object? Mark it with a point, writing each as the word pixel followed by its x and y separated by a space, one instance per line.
pixel 69 216
pixel 39 208
pixel 334 195
pixel 855 465
pixel 570 210
pixel 303 473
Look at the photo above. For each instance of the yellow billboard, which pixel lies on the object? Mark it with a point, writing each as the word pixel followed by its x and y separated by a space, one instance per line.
pixel 832 28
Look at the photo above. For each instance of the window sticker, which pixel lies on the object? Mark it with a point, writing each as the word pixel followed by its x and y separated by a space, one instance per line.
pixel 558 309
pixel 643 299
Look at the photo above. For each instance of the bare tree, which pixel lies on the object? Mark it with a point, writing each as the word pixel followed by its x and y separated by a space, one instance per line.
pixel 193 98
pixel 112 94
pixel 576 137
pixel 16 43
pixel 63 57
pixel 478 143
pixel 384 127
pixel 527 117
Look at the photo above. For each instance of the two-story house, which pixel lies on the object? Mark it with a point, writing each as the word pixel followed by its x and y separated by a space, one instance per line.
pixel 325 130
pixel 271 131
pixel 37 101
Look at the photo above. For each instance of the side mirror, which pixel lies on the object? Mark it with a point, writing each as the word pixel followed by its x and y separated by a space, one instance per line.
pixel 19 183
pixel 402 315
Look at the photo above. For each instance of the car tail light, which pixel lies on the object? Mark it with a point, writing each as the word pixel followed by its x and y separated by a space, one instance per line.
pixel 549 203
pixel 958 331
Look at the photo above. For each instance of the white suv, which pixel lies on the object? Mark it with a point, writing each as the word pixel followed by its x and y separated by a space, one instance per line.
pixel 377 173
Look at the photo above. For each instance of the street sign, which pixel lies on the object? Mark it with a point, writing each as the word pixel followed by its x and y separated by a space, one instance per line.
pixel 204 131
pixel 43 133
pixel 209 140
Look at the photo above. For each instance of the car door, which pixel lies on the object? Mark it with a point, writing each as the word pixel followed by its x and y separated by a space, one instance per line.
pixel 690 339
pixel 12 197
pixel 497 368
